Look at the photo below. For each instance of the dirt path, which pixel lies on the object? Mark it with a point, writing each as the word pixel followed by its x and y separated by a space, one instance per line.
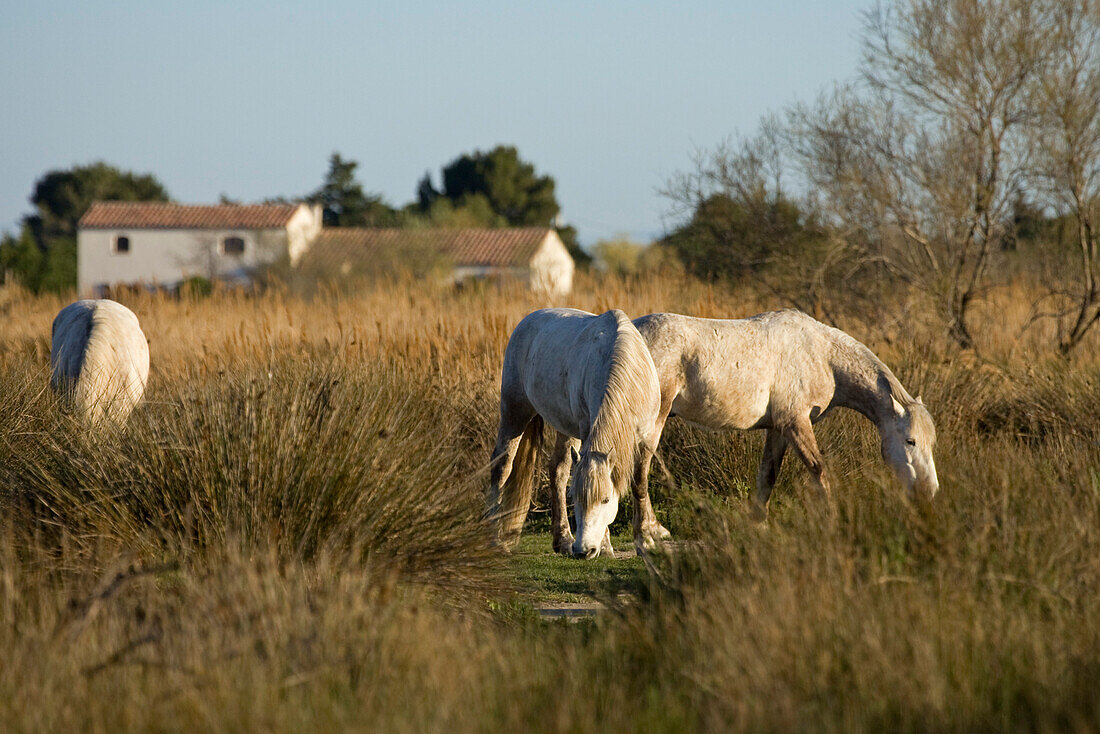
pixel 571 611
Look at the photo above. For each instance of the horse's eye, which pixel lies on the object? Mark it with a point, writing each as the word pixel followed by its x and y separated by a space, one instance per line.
pixel 911 441
pixel 607 500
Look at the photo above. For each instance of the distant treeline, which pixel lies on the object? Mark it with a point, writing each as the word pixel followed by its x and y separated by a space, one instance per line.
pixel 966 152
pixel 480 189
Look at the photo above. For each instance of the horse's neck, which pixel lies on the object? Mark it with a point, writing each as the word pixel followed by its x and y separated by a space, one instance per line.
pixel 866 385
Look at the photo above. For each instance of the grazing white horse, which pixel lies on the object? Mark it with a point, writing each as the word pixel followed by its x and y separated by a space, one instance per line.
pixel 99 359
pixel 592 380
pixel 782 372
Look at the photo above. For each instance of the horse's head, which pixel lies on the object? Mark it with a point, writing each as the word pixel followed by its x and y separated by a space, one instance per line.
pixel 595 500
pixel 907 443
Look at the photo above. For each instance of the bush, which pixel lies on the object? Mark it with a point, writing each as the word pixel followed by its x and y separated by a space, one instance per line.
pixel 197 286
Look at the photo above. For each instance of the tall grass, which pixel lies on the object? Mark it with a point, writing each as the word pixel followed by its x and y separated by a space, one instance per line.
pixel 287 536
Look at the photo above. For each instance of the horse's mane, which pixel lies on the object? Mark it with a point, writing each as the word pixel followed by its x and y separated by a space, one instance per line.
pixel 896 388
pixel 857 356
pixel 625 397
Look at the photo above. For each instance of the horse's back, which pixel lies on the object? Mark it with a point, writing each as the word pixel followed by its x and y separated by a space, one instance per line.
pixel 558 360
pixel 540 337
pixel 739 373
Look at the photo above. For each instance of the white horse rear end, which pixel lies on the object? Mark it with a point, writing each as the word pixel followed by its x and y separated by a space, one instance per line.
pixel 99 359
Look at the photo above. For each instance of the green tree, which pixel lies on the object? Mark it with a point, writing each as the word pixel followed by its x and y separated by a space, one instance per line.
pixel 345 204
pixel 512 187
pixel 740 219
pixel 61 197
pixel 730 238
pixel 21 259
pixel 59 273
pixel 497 188
pixel 475 211
pixel 568 236
pixel 44 255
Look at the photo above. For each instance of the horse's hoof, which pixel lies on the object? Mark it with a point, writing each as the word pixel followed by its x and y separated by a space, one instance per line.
pixel 760 513
pixel 652 538
pixel 505 545
pixel 564 545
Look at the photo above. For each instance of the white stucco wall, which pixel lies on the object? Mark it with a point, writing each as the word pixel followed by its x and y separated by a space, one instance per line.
pixel 552 268
pixel 302 228
pixel 167 256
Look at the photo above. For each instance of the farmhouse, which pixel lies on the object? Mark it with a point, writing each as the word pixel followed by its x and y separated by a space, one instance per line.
pixel 534 255
pixel 160 244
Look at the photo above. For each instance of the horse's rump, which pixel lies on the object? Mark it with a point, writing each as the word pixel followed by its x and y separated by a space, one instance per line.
pixel 99 358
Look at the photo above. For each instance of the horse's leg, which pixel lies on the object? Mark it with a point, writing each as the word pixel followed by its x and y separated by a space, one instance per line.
pixel 775 446
pixel 802 439
pixel 513 421
pixel 561 463
pixel 605 547
pixel 647 531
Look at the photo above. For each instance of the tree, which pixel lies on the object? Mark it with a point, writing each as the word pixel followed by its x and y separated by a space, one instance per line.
pixel 510 185
pixel 426 195
pixel 738 220
pixel 60 198
pixel 21 259
pixel 475 211
pixel 502 189
pixel 343 200
pixel 924 163
pixel 1066 140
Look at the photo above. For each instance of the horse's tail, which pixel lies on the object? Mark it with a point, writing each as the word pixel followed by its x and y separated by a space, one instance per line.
pixel 519 488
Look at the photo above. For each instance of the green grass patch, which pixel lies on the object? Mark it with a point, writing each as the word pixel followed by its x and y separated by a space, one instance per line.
pixel 547 577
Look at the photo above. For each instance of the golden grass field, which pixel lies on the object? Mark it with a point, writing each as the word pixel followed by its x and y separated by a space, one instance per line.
pixel 285 536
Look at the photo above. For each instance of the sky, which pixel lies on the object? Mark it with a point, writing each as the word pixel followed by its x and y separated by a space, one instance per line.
pixel 250 99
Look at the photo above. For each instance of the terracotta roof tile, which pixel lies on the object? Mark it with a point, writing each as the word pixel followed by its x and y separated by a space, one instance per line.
pixel 150 215
pixel 501 247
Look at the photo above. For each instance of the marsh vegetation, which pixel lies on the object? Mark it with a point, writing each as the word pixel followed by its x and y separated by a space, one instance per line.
pixel 286 536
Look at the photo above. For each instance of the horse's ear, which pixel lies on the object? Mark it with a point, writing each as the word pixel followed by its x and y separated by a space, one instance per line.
pixel 918 401
pixel 899 409
pixel 611 456
pixel 574 455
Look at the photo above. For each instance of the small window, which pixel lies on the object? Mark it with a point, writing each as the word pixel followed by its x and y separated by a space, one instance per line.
pixel 233 246
pixel 122 244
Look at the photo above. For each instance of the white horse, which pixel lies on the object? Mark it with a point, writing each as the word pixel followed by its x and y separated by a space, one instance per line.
pixel 99 359
pixel 592 380
pixel 782 372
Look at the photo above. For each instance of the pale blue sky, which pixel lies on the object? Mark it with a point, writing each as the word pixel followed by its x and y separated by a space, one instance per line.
pixel 249 99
